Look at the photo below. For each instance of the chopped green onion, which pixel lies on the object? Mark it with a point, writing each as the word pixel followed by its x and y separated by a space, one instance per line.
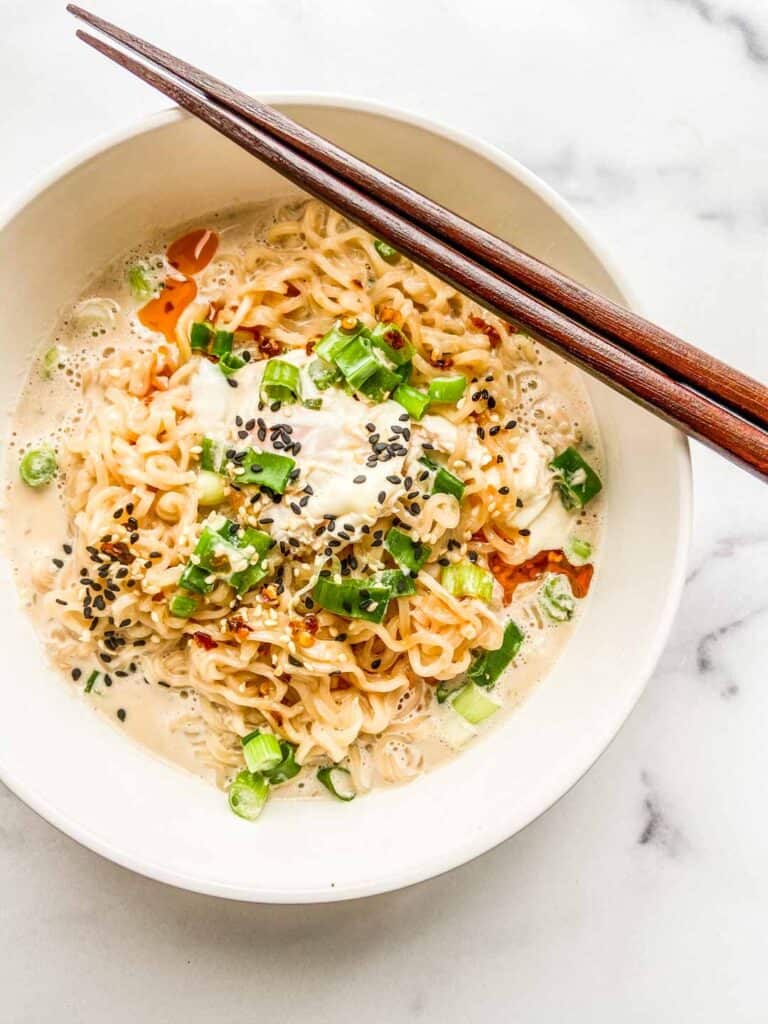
pixel 577 551
pixel 380 384
pixel 357 361
pixel 414 402
pixel 447 389
pixel 288 766
pixel 473 705
pixel 444 481
pixel 385 250
pixel 266 469
pixel 281 382
pixel 38 467
pixel 556 597
pixel 390 340
pixel 211 488
pixel 332 777
pixel 182 606
pixel 444 690
pixel 257 571
pixel 313 403
pixel 222 343
pixel 248 793
pixel 408 553
pixel 51 360
pixel 352 598
pixel 323 375
pixel 577 482
pixel 404 371
pixel 229 363
pixel 488 665
pixel 140 285
pixel 398 583
pixel 200 335
pixel 334 341
pixel 195 579
pixel 261 751
pixel 91 681
pixel 247 579
pixel 212 456
pixel 465 579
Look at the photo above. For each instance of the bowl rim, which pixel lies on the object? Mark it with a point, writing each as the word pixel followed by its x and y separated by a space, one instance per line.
pixel 437 863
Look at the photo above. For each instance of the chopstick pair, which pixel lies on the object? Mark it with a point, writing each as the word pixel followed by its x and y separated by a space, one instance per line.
pixel 689 388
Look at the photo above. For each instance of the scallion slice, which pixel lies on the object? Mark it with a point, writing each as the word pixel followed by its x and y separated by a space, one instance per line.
pixel 488 665
pixel 385 250
pixel 408 553
pixel 444 690
pixel 380 384
pixel 413 401
pixel 352 598
pixel 248 792
pixel 473 704
pixel 196 579
pixel 323 375
pixel 390 340
pixel 397 582
pixel 556 597
pixel 465 579
pixel 182 606
pixel 200 335
pixel 261 751
pixel 281 382
pixel 211 488
pixel 577 551
pixel 140 284
pixel 444 481
pixel 577 482
pixel 212 455
pixel 334 341
pixel 266 470
pixel 38 467
pixel 333 777
pixel 51 360
pixel 357 361
pixel 447 389
pixel 222 343
pixel 288 766
pixel 313 403
pixel 230 363
pixel 91 682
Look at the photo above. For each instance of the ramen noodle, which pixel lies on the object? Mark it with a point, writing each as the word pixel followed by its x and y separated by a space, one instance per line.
pixel 292 511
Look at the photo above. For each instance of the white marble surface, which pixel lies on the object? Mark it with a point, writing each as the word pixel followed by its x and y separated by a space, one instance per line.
pixel 642 896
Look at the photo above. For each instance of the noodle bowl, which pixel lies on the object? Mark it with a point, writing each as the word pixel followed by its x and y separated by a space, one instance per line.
pixel 133 408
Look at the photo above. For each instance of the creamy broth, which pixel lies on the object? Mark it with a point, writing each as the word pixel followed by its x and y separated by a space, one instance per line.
pixel 163 691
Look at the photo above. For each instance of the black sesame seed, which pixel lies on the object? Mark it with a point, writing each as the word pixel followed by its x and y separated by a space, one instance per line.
pixel 481 433
pixel 376 663
pixel 295 508
pixel 67 549
pixel 525 533
pixel 117 513
pixel 76 673
pixel 382 497
pixel 510 424
pixel 444 561
pixel 232 382
pixel 472 556
pixel 503 490
pixel 121 712
pixel 494 430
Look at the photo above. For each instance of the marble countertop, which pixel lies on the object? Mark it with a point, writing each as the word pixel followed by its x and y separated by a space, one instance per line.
pixel 641 897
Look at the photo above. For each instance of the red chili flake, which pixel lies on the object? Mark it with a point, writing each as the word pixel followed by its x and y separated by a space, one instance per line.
pixel 310 346
pixel 395 339
pixel 311 624
pixel 291 290
pixel 204 641
pixel 119 551
pixel 511 576
pixel 269 347
pixel 487 329
pixel 238 627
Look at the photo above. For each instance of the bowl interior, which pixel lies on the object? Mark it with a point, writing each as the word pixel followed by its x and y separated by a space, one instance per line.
pixel 110 794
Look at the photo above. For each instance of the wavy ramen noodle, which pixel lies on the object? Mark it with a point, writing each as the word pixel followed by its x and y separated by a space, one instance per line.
pixel 300 489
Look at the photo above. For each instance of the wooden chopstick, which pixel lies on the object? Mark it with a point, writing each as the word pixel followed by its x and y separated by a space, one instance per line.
pixel 682 361
pixel 698 415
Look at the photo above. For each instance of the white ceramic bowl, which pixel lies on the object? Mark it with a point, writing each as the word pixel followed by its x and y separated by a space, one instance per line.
pixel 113 797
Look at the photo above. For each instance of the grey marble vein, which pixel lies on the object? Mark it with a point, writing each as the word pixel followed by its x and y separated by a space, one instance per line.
pixel 753 39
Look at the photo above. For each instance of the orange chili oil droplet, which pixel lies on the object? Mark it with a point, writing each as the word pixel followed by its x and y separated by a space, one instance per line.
pixel 162 314
pixel 511 576
pixel 191 253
